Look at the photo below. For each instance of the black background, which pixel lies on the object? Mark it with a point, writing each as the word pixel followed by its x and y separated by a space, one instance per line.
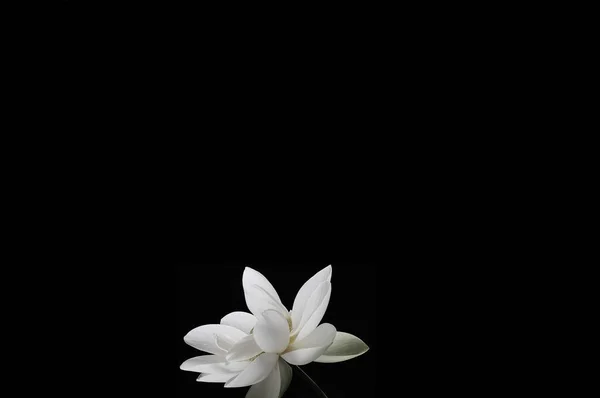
pixel 432 324
pixel 206 293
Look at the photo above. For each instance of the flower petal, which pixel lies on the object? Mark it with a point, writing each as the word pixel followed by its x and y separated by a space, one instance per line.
pixel 203 337
pixel 320 337
pixel 285 371
pixel 312 347
pixel 305 292
pixel 260 294
pixel 313 302
pixel 314 310
pixel 199 364
pixel 345 346
pixel 268 388
pixel 216 378
pixel 246 348
pixel 304 356
pixel 240 320
pixel 223 342
pixel 268 300
pixel 230 367
pixel 257 371
pixel 272 332
pixel 213 364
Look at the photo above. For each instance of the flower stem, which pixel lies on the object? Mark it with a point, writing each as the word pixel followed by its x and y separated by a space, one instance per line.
pixel 311 381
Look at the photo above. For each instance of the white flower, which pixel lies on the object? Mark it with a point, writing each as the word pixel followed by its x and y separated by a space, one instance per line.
pixel 255 349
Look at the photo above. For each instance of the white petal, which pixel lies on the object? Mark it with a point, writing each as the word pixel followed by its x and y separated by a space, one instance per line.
pixel 215 378
pixel 260 294
pixel 305 292
pixel 246 348
pixel 312 347
pixel 314 310
pixel 285 371
pixel 223 342
pixel 257 371
pixel 320 337
pixel 345 346
pixel 241 320
pixel 268 388
pixel 203 337
pixel 199 364
pixel 268 301
pixel 213 364
pixel 253 277
pixel 272 332
pixel 311 305
pixel 230 367
pixel 304 356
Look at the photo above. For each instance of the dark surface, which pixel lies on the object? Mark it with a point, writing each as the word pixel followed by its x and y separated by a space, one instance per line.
pixel 205 293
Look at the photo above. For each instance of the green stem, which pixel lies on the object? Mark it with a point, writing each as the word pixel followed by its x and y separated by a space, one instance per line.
pixel 311 381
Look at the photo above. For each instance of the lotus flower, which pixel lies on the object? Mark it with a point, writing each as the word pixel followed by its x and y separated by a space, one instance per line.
pixel 255 349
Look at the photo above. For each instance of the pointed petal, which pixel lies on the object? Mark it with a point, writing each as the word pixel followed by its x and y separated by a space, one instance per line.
pixel 203 337
pixel 229 367
pixel 312 347
pixel 345 346
pixel 285 371
pixel 253 277
pixel 268 299
pixel 268 388
pixel 305 292
pixel 246 348
pixel 320 337
pixel 314 310
pixel 240 320
pixel 199 364
pixel 257 371
pixel 303 356
pixel 223 342
pixel 260 294
pixel 272 332
pixel 313 302
pixel 213 364
pixel 215 378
